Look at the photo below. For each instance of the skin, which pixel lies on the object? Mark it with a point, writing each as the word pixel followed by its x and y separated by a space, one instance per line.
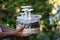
pixel 12 32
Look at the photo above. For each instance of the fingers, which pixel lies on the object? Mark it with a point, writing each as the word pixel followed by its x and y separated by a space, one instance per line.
pixel 20 27
pixel 25 34
pixel 21 34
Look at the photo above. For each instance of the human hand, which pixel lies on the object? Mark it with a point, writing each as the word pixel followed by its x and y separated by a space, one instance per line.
pixel 19 31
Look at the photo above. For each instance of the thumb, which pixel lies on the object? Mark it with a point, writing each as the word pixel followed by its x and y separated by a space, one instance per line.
pixel 20 27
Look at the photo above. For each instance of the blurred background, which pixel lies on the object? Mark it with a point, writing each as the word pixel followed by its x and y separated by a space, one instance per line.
pixel 49 23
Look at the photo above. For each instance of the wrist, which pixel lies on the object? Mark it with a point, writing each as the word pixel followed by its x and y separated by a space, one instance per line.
pixel 7 34
pixel 12 33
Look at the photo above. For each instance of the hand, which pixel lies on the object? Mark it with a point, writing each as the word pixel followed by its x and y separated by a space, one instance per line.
pixel 19 31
